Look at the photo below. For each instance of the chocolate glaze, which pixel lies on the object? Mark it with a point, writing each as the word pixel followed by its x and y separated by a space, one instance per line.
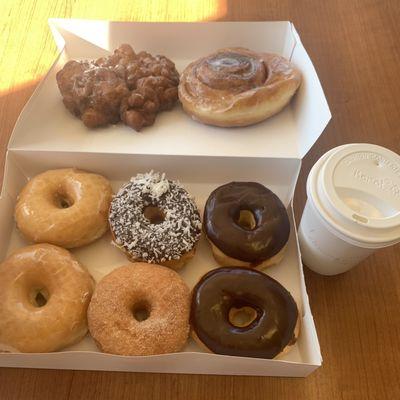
pixel 252 245
pixel 223 288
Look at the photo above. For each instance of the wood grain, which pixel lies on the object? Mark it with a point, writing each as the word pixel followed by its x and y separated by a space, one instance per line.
pixel 355 48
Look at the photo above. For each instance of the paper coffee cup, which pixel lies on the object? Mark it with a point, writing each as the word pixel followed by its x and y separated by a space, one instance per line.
pixel 352 209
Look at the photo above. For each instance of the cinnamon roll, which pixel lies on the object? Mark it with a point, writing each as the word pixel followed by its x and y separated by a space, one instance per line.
pixel 237 87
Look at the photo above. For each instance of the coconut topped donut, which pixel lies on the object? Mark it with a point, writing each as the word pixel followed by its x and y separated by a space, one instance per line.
pixel 155 220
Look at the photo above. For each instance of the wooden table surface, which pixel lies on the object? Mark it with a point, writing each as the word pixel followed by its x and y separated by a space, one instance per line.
pixel 355 48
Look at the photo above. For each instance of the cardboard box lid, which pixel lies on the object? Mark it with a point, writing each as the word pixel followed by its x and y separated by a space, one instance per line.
pixel 45 124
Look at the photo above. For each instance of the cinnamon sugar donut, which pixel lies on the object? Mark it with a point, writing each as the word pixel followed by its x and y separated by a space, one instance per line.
pixel 44 295
pixel 140 309
pixel 155 220
pixel 66 207
pixel 237 87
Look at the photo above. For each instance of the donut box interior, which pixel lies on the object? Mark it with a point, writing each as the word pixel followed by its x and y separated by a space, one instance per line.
pixel 201 157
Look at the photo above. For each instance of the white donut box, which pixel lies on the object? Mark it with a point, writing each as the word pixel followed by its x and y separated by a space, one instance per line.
pixel 47 136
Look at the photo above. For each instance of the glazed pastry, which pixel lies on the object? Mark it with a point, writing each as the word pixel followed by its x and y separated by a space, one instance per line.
pixel 243 312
pixel 44 296
pixel 155 220
pixel 247 225
pixel 123 86
pixel 140 309
pixel 237 87
pixel 66 207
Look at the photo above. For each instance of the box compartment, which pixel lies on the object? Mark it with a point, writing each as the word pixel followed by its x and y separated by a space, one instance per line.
pixel 46 124
pixel 200 177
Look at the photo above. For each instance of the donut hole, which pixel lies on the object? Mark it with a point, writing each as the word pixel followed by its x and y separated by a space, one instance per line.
pixel 141 311
pixel 246 220
pixel 242 317
pixel 154 214
pixel 62 200
pixel 39 297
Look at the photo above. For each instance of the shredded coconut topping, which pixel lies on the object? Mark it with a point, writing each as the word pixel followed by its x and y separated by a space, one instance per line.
pixel 154 242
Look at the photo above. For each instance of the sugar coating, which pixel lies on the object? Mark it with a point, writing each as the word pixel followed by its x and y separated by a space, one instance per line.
pixel 159 290
pixel 143 240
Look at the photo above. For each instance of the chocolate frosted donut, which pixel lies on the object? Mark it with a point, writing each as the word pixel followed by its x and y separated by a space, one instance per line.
pixel 243 312
pixel 155 220
pixel 246 224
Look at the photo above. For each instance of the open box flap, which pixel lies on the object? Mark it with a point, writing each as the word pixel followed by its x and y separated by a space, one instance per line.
pixel 188 363
pixel 159 37
pixel 289 134
pixel 280 174
pixel 310 108
pixel 309 338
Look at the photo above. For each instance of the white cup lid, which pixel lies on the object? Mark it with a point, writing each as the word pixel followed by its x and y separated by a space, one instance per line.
pixel 356 187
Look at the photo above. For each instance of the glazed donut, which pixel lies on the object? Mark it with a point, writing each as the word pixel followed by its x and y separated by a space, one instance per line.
pixel 64 207
pixel 44 296
pixel 155 220
pixel 237 87
pixel 247 225
pixel 243 312
pixel 140 309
